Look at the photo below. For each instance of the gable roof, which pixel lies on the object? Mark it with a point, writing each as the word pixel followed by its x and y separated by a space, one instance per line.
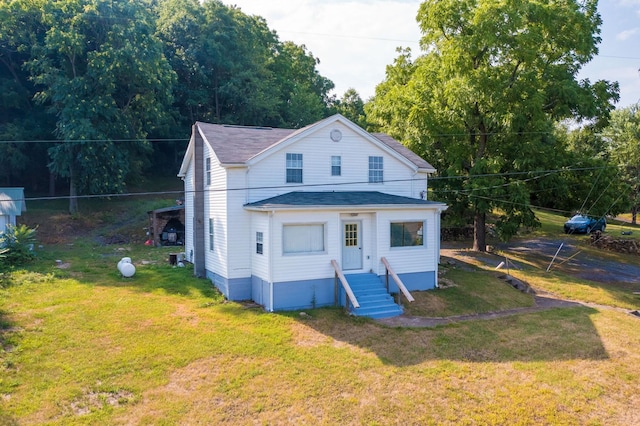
pixel 12 201
pixel 238 145
pixel 332 199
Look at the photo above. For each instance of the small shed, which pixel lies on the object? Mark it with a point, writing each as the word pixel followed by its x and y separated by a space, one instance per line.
pixel 12 204
pixel 166 226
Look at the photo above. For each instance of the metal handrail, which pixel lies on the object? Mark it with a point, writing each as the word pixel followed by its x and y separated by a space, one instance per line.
pixel 397 279
pixel 340 276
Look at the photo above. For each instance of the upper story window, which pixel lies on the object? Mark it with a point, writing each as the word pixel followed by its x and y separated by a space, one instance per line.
pixel 375 170
pixel 294 168
pixel 336 165
pixel 208 170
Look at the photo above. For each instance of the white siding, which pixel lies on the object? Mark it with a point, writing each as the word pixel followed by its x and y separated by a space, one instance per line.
pixel 260 262
pixel 238 220
pixel 189 195
pixel 408 259
pixel 215 199
pixel 305 266
pixel 268 177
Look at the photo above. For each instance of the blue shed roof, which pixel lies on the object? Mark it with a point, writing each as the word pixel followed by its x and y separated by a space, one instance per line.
pixel 12 201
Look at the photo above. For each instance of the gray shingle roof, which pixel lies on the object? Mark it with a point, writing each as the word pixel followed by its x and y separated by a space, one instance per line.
pixel 337 199
pixel 238 144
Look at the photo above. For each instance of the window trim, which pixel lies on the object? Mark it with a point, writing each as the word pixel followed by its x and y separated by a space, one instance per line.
pixel 306 253
pixel 291 166
pixel 211 234
pixel 259 242
pixel 336 167
pixel 208 170
pixel 403 222
pixel 376 174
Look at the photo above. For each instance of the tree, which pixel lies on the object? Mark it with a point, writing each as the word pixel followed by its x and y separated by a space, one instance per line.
pixel 352 107
pixel 20 118
pixel 481 102
pixel 623 135
pixel 233 69
pixel 101 71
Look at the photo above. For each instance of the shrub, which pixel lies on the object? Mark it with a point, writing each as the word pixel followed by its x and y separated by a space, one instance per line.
pixel 16 245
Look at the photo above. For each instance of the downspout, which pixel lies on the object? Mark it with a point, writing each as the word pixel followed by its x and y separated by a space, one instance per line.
pixel 271 254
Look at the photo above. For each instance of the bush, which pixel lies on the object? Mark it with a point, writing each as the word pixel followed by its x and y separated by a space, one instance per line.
pixel 16 245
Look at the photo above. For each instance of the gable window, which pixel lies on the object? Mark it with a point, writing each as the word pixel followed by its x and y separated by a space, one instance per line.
pixel 210 234
pixel 336 165
pixel 208 170
pixel 407 234
pixel 303 239
pixel 259 242
pixel 294 168
pixel 375 170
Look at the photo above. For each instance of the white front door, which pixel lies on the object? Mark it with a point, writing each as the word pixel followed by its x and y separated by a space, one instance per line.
pixel 351 245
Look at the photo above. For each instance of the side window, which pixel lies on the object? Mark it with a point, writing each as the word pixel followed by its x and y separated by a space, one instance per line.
pixel 208 170
pixel 259 242
pixel 336 165
pixel 294 168
pixel 211 234
pixel 375 170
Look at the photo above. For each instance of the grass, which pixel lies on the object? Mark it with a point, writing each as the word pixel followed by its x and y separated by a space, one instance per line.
pixel 80 345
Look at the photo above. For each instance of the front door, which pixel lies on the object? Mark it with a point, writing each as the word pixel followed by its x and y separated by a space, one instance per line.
pixel 351 245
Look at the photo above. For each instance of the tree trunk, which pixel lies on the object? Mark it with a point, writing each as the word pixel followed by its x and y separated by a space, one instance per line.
pixel 479 232
pixel 634 214
pixel 52 184
pixel 73 196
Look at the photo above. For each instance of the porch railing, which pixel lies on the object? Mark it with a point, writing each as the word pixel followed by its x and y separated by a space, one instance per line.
pixel 399 283
pixel 339 277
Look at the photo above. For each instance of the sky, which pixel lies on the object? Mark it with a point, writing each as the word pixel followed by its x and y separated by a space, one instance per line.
pixel 356 39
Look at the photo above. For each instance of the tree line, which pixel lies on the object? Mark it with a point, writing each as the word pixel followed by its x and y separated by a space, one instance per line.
pixel 102 80
pixel 493 100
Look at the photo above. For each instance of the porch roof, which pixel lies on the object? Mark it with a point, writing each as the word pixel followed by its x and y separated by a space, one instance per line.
pixel 333 199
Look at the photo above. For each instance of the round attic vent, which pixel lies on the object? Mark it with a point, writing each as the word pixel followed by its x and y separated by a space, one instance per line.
pixel 336 135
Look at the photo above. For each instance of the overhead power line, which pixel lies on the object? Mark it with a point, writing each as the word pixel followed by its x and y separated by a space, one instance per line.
pixel 544 173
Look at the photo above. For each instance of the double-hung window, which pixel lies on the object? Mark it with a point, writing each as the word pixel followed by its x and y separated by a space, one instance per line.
pixel 407 234
pixel 336 165
pixel 208 170
pixel 211 234
pixel 294 168
pixel 259 243
pixel 375 170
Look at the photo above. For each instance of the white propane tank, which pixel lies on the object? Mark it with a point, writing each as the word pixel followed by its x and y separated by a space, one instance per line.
pixel 126 268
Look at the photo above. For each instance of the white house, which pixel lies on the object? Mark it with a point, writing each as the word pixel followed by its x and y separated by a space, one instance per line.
pixel 12 204
pixel 293 219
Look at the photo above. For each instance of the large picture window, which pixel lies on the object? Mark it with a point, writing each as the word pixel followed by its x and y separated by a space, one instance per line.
pixel 301 239
pixel 294 168
pixel 407 234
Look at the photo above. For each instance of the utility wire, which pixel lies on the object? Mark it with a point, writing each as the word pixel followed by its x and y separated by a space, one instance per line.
pixel 341 184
